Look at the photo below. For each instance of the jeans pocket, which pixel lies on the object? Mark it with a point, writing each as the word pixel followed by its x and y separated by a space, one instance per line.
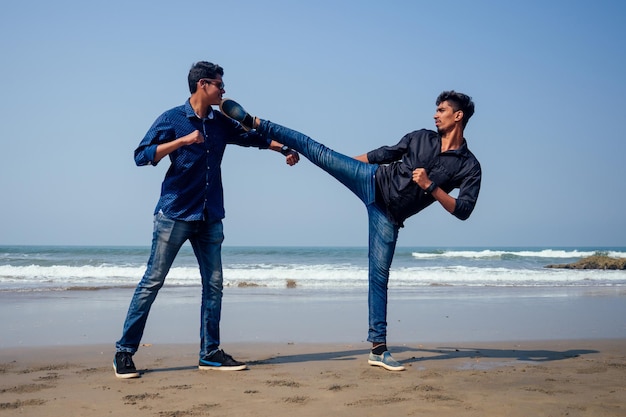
pixel 162 224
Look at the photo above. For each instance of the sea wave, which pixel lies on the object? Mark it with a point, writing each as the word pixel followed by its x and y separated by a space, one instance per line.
pixel 504 254
pixel 46 278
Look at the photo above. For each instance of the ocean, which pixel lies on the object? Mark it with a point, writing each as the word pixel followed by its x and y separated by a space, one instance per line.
pixel 65 295
pixel 66 268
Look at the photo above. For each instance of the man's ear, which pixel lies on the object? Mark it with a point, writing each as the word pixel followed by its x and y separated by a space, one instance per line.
pixel 458 116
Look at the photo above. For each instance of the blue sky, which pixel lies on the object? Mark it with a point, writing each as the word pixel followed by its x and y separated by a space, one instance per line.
pixel 81 83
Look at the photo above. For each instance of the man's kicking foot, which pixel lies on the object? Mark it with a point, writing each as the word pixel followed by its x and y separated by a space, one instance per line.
pixel 236 112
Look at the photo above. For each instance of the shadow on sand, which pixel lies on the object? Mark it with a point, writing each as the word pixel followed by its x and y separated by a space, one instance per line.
pixel 421 356
pixel 441 353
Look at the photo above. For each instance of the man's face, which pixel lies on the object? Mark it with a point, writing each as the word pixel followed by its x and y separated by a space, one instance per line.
pixel 213 88
pixel 446 118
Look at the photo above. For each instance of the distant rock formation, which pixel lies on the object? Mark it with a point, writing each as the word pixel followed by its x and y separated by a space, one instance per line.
pixel 597 261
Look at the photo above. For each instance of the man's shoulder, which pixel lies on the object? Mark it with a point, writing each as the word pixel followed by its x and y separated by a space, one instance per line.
pixel 177 110
pixel 471 160
pixel 172 113
pixel 423 133
pixel 423 137
pixel 475 160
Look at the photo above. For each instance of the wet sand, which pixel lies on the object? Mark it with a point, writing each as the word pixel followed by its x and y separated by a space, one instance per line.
pixel 473 353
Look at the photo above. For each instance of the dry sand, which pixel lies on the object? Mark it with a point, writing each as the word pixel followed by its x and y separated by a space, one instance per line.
pixel 552 378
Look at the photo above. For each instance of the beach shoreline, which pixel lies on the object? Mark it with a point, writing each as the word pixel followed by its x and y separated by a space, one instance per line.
pixel 467 351
pixel 261 315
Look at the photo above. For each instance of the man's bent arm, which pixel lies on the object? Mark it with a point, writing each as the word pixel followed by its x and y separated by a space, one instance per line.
pixel 420 177
pixel 167 148
pixel 447 201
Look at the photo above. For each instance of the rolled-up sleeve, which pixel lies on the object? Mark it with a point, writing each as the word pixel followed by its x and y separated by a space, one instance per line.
pixel 252 139
pixel 238 136
pixel 161 131
pixel 388 154
pixel 468 195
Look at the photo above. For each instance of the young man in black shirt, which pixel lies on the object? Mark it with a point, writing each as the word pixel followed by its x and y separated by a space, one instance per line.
pixel 394 183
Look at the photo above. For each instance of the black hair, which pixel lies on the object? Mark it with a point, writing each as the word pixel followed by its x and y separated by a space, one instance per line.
pixel 202 69
pixel 458 101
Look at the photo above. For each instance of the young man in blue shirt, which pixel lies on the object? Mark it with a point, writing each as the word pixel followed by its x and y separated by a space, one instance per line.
pixel 191 207
pixel 394 183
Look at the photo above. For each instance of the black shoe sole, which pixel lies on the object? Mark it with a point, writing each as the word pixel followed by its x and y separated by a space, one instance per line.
pixel 126 376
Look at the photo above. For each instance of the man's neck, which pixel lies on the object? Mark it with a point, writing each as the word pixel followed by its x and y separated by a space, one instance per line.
pixel 201 109
pixel 452 140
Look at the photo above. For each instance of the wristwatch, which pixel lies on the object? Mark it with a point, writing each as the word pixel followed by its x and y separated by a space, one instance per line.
pixel 431 188
pixel 285 150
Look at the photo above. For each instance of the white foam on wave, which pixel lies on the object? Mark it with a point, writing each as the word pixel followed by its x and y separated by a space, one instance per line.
pixel 305 276
pixel 487 253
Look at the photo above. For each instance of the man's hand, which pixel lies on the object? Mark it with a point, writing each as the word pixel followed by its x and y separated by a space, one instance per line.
pixel 193 137
pixel 447 202
pixel 166 148
pixel 421 178
pixel 292 158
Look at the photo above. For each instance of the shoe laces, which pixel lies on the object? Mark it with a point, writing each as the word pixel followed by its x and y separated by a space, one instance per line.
pixel 224 355
pixel 126 360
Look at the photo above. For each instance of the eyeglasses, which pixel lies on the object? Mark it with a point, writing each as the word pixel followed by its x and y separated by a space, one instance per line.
pixel 219 84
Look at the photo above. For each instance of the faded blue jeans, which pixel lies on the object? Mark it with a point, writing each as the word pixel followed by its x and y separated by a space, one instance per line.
pixel 359 178
pixel 168 237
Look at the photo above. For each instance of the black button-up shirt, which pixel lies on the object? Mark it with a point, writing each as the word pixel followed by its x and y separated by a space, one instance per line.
pixel 402 197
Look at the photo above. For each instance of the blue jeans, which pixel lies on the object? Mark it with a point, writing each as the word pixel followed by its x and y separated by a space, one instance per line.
pixel 359 178
pixel 168 237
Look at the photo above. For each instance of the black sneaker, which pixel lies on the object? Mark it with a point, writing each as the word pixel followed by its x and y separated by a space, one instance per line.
pixel 234 110
pixel 124 366
pixel 221 361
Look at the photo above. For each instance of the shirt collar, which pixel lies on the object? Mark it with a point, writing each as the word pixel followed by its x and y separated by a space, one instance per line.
pixel 189 112
pixel 461 150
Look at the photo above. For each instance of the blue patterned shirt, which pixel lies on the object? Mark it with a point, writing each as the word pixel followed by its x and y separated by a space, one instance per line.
pixel 192 188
